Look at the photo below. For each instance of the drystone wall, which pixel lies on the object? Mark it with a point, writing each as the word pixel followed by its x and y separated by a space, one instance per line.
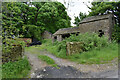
pixel 14 54
pixel 98 24
pixel 74 47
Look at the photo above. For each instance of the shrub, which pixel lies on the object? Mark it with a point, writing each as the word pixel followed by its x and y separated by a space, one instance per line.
pixel 90 40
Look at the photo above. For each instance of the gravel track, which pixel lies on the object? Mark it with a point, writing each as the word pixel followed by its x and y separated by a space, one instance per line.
pixel 69 69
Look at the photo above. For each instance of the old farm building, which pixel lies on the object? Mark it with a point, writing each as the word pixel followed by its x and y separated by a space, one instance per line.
pixel 99 24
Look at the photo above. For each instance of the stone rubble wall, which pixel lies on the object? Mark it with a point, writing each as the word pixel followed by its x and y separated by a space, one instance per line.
pixel 14 54
pixel 74 47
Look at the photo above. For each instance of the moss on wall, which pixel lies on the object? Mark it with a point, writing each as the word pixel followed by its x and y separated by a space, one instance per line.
pixel 14 54
pixel 74 47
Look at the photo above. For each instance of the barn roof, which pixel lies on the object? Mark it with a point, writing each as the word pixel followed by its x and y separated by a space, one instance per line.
pixel 78 29
pixel 95 18
pixel 67 30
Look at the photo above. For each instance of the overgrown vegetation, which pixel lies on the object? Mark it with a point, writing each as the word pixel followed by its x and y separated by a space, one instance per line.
pixel 17 69
pixel 24 19
pixel 96 49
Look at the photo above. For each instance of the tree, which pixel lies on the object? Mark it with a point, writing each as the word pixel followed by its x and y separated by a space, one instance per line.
pixel 79 18
pixel 18 16
pixel 32 31
pixel 11 20
pixel 100 8
pixel 50 14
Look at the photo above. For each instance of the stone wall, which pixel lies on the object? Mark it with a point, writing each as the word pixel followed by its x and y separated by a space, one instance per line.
pixel 74 47
pixel 46 35
pixel 104 23
pixel 14 54
pixel 97 24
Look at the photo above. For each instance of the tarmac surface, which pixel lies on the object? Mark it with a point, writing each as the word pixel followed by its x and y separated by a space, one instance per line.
pixel 70 72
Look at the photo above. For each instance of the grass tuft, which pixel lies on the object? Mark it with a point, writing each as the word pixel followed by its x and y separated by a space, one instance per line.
pixel 47 59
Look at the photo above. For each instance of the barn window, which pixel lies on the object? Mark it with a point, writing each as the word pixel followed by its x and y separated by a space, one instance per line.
pixel 55 37
pixel 65 36
pixel 101 33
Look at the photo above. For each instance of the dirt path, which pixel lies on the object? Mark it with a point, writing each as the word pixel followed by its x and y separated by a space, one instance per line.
pixel 35 63
pixel 101 70
pixel 84 68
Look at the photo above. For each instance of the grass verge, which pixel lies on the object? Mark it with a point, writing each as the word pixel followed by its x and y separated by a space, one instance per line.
pixel 48 60
pixel 17 69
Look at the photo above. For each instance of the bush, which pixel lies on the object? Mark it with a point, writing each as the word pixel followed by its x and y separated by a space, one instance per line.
pixel 90 40
pixel 17 69
pixel 116 33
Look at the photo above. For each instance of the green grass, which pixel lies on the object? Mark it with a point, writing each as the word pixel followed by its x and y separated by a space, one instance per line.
pixel 101 56
pixel 48 60
pixel 17 69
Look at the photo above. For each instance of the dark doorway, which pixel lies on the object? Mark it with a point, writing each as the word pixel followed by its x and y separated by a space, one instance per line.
pixel 55 37
pixel 65 36
pixel 101 33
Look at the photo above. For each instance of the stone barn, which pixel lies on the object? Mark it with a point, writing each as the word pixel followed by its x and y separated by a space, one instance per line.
pixel 102 25
pixel 46 35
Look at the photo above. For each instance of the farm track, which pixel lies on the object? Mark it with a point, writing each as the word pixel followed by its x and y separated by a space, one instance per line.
pixel 102 70
pixel 35 63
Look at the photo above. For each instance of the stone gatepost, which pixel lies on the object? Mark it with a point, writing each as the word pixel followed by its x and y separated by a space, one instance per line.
pixel 59 37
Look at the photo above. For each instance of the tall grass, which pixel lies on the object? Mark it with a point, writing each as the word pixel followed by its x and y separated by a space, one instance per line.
pixel 95 56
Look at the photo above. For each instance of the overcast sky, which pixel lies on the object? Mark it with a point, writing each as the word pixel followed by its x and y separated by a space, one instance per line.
pixel 76 6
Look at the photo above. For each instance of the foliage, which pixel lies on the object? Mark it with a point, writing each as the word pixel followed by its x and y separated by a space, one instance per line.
pixel 8 44
pixel 90 40
pixel 23 18
pixel 52 16
pixel 79 18
pixel 12 20
pixel 18 69
pixel 32 31
pixel 116 33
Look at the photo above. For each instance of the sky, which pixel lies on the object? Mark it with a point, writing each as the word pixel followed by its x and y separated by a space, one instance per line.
pixel 76 6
